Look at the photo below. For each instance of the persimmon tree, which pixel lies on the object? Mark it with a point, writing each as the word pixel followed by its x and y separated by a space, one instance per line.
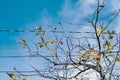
pixel 72 57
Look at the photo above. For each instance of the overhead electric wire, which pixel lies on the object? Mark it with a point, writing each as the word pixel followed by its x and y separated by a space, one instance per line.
pixel 24 56
pixel 34 51
pixel 58 31
pixel 31 50
pixel 8 51
pixel 55 31
pixel 22 71
pixel 28 71
pixel 32 73
pixel 36 55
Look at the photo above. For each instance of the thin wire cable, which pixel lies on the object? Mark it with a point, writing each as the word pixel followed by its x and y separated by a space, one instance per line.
pixel 36 55
pixel 25 56
pixel 43 31
pixel 8 51
pixel 56 31
pixel 26 71
pixel 31 72
pixel 21 71
pixel 31 50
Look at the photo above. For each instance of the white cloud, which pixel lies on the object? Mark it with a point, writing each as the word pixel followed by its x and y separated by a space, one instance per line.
pixel 75 11
pixel 115 6
pixel 43 19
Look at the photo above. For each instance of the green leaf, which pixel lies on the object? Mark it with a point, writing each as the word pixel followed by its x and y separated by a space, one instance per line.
pixel 42 44
pixel 106 42
pixel 109 32
pixel 11 75
pixel 111 37
pixel 23 42
pixel 113 32
pixel 37 34
pixel 39 28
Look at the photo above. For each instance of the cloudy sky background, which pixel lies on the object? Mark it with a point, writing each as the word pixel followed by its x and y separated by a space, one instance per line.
pixel 28 14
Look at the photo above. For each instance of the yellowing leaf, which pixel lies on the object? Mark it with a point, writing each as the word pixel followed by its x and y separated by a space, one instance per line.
pixel 50 41
pixel 79 57
pixel 61 42
pixel 25 79
pixel 51 52
pixel 88 52
pixel 39 28
pixel 14 78
pixel 109 46
pixel 117 59
pixel 99 31
pixel 91 51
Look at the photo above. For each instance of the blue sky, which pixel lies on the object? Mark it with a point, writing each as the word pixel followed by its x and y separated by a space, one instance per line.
pixel 17 14
pixel 24 15
pixel 27 14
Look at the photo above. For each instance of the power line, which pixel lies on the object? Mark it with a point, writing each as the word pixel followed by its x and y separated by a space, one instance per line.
pixel 43 31
pixel 34 55
pixel 28 50
pixel 35 51
pixel 26 71
pixel 24 56
pixel 21 71
pixel 55 31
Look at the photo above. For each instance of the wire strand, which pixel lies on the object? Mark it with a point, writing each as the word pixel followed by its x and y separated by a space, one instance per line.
pixel 6 51
pixel 21 71
pixel 43 31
